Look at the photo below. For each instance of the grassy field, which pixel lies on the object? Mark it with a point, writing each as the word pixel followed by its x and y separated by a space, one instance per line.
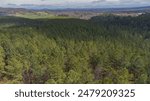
pixel 39 15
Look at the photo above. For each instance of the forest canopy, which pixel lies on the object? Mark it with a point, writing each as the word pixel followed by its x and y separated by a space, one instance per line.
pixel 105 49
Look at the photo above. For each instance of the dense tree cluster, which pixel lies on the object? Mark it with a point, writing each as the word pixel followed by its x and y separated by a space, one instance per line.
pixel 104 49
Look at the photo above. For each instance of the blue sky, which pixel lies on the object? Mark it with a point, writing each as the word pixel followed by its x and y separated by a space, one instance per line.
pixel 52 4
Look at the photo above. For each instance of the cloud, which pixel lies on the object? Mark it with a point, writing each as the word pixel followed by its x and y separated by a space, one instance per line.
pixel 121 1
pixel 77 3
pixel 11 4
pixel 98 1
pixel 69 1
pixel 106 1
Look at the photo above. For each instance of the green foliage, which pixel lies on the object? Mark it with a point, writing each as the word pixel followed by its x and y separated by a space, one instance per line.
pixel 105 49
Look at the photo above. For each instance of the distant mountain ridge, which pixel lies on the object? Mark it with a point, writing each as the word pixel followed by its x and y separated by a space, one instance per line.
pixel 10 11
pixel 85 13
pixel 135 9
pixel 123 8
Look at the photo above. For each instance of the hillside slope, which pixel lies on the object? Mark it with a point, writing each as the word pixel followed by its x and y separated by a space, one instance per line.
pixel 105 49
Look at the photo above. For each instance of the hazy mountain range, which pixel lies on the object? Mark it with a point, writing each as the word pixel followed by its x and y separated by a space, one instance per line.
pixel 84 13
pixel 143 9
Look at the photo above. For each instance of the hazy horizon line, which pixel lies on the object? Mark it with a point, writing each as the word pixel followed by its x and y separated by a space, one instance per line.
pixel 63 8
